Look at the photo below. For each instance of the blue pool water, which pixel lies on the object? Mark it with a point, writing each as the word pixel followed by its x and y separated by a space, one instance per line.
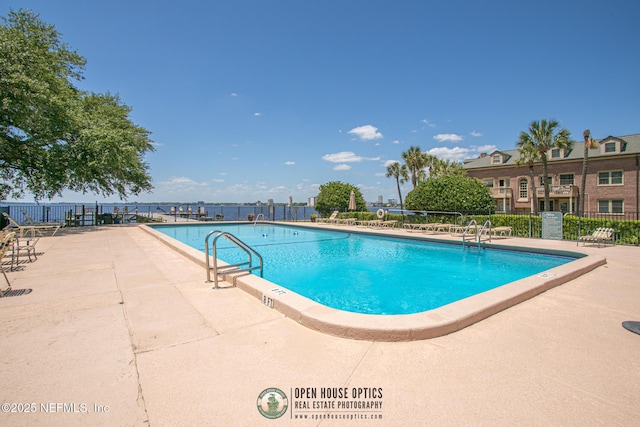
pixel 369 274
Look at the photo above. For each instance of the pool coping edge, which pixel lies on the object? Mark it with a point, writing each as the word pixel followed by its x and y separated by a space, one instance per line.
pixel 406 327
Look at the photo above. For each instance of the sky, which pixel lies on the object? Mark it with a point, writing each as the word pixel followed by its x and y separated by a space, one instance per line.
pixel 254 100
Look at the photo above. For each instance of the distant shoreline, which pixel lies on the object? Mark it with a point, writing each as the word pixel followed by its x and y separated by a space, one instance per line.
pixel 253 204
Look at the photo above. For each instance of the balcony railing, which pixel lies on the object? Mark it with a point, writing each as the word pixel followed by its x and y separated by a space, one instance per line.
pixel 502 192
pixel 560 191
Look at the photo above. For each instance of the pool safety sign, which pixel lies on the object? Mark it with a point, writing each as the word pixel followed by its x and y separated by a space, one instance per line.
pixel 552 225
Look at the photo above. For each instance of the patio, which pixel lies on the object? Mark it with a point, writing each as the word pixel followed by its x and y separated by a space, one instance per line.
pixel 122 330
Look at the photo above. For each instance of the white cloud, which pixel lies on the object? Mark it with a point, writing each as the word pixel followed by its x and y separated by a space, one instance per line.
pixel 182 185
pixel 390 162
pixel 485 148
pixel 395 141
pixel 448 137
pixel 459 154
pixel 476 134
pixel 180 181
pixel 428 123
pixel 233 94
pixel 341 167
pixel 366 132
pixel 289 163
pixel 346 156
pixel 257 114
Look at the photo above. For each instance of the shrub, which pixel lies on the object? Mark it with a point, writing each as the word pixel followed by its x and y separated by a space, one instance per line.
pixel 450 193
pixel 334 196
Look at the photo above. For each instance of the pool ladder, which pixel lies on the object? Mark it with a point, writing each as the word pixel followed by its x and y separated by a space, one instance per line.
pixel 243 267
pixel 484 231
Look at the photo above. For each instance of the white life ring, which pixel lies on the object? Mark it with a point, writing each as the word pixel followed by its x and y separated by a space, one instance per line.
pixel 380 213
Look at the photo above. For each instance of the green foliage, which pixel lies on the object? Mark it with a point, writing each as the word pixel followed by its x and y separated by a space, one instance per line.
pixel 627 232
pixel 334 196
pixel 401 175
pixel 543 136
pixel 416 161
pixel 441 167
pixel 450 193
pixel 54 136
pixel 111 149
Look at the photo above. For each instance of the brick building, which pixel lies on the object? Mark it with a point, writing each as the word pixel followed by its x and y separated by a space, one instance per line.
pixel 611 186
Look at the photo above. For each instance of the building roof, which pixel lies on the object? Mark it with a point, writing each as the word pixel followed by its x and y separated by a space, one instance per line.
pixel 625 145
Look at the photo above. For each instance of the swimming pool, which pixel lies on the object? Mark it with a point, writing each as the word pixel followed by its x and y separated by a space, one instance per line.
pixel 367 274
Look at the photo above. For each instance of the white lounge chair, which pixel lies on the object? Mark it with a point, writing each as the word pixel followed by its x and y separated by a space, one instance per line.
pixel 6 244
pixel 390 223
pixel 503 231
pixel 23 244
pixel 22 230
pixel 345 221
pixel 601 235
pixel 414 226
pixel 331 219
pixel 369 222
pixel 462 230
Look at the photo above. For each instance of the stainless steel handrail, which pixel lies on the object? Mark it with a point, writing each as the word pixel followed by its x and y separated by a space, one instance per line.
pixel 238 243
pixel 257 218
pixel 484 226
pixel 478 233
pixel 466 230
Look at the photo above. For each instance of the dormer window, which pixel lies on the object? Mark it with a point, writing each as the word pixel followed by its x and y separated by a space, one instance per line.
pixel 558 153
pixel 499 158
pixel 612 145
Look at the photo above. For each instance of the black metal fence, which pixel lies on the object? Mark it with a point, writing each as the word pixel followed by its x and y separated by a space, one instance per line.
pixel 97 214
pixel 626 226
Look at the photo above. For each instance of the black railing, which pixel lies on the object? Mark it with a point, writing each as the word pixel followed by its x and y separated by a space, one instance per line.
pixel 626 226
pixel 98 214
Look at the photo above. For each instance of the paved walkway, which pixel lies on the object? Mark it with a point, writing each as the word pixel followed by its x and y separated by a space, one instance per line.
pixel 122 330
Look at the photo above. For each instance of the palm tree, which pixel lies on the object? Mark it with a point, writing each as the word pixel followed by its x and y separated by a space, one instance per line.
pixel 588 143
pixel 543 136
pixel 399 172
pixel 441 167
pixel 416 161
pixel 529 156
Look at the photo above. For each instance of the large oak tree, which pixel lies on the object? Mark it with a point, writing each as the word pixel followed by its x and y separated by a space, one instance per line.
pixel 54 136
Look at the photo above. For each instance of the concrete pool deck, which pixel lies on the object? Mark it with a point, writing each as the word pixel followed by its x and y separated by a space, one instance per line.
pixel 120 329
pixel 428 324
